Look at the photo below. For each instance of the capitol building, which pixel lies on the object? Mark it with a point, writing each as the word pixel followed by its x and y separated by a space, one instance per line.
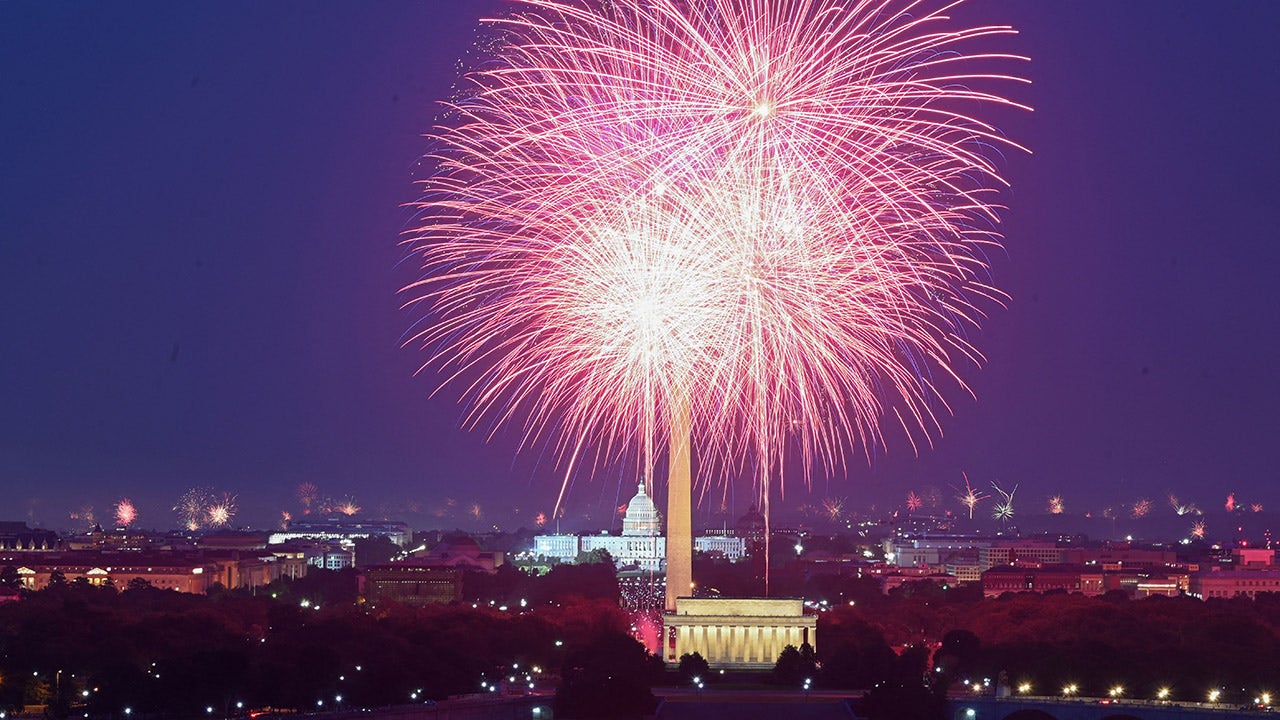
pixel 641 543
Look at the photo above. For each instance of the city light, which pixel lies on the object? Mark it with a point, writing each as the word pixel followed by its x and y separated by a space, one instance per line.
pixel 1116 691
pixel 1024 688
pixel 1214 695
pixel 1163 694
pixel 1071 689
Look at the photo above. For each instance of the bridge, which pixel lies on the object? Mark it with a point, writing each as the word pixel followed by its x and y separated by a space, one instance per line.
pixel 1052 708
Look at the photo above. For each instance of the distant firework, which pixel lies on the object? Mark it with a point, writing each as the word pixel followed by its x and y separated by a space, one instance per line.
pixel 971 497
pixel 475 511
pixel 1003 509
pixel 286 517
pixel 1181 508
pixel 220 511
pixel 307 494
pixel 1255 507
pixel 913 501
pixel 1230 504
pixel 193 508
pixel 348 507
pixel 85 515
pixel 1055 505
pixel 540 520
pixel 126 513
pixel 833 508
pixel 1140 509
pixel 1197 529
pixel 779 211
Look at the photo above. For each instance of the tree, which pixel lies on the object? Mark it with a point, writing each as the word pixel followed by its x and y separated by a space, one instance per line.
pixel 694 666
pixel 9 577
pixel 57 578
pixel 787 671
pixel 138 584
pixel 610 678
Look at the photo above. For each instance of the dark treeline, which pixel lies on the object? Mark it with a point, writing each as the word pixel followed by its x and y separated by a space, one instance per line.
pixel 292 645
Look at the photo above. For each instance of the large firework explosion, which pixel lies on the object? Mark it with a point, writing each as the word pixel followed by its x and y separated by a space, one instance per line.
pixel 777 213
pixel 126 513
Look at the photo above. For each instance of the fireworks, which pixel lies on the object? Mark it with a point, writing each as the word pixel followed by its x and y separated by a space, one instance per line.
pixel 1056 505
pixel 348 507
pixel 778 211
pixel 833 508
pixel 307 494
pixel 971 497
pixel 914 502
pixel 1003 509
pixel 192 507
pixel 540 519
pixel 1140 509
pixel 126 513
pixel 220 511
pixel 1181 508
pixel 1230 504
pixel 1197 529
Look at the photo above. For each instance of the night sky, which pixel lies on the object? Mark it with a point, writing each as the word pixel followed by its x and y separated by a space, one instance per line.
pixel 200 205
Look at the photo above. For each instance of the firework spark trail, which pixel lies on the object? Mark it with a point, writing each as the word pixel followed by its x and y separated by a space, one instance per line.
pixel 780 211
pixel 221 510
pixel 1056 506
pixel 1140 509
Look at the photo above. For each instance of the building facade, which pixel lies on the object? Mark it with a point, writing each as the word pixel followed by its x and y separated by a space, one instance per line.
pixel 738 632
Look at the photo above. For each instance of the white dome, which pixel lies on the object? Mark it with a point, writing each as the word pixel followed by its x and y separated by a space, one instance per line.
pixel 642 516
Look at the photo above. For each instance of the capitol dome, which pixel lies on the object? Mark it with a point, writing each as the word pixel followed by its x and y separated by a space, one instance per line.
pixel 642 516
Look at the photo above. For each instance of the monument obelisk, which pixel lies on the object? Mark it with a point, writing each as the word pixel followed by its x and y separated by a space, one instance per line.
pixel 679 521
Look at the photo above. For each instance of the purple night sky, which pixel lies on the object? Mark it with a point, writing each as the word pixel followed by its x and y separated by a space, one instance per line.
pixel 201 203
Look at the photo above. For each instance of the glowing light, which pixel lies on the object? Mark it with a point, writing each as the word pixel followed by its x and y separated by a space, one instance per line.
pixel 1116 691
pixel 609 225
pixel 1071 689
pixel 971 497
pixel 1214 695
pixel 1056 505
pixel 1198 529
pixel 1024 688
pixel 1140 509
pixel 126 513
pixel 1163 694
pixel 1230 504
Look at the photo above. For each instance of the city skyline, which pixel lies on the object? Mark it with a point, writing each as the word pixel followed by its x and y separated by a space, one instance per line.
pixel 201 267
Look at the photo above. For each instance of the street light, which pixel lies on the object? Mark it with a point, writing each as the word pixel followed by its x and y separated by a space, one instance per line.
pixel 1116 691
pixel 1214 695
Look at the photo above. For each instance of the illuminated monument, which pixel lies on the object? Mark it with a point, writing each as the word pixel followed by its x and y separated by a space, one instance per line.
pixel 726 632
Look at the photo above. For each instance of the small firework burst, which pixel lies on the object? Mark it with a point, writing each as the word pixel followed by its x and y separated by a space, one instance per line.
pixel 1003 510
pixel 1180 508
pixel 914 502
pixel 286 517
pixel 1230 504
pixel 446 508
pixel 85 515
pixel 971 497
pixel 348 507
pixel 1255 507
pixel 475 511
pixel 220 511
pixel 1056 506
pixel 1140 509
pixel 833 508
pixel 540 520
pixel 308 494
pixel 1197 529
pixel 193 507
pixel 126 513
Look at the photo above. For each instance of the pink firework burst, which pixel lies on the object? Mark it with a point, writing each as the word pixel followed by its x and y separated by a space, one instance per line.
pixel 1197 530
pixel 348 507
pixel 1230 504
pixel 779 212
pixel 1140 509
pixel 833 508
pixel 193 507
pixel 126 513
pixel 540 519
pixel 914 502
pixel 1056 506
